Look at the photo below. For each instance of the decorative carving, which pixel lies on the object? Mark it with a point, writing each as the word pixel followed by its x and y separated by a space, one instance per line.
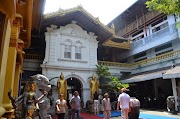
pixel 51 28
pixel 124 45
pixel 13 43
pixel 33 99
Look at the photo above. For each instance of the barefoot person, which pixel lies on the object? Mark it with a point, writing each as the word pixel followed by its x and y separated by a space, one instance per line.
pixel 61 107
pixel 106 106
pixel 96 103
pixel 124 104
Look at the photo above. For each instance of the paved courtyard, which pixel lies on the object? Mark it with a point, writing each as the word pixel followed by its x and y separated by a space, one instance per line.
pixel 156 113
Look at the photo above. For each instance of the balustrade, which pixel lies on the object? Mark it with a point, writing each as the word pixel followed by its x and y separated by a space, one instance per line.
pixel 143 62
pixel 33 56
pixel 139 22
pixel 155 36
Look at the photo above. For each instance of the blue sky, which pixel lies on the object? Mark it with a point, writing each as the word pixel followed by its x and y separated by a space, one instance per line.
pixel 106 10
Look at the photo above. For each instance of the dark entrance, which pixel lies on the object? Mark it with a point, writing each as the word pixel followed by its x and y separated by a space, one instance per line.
pixel 74 84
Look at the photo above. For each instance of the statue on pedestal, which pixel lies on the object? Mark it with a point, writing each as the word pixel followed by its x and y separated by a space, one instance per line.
pixel 33 103
pixel 62 86
pixel 94 85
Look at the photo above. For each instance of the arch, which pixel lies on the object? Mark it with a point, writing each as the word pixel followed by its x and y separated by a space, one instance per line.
pixel 68 42
pixel 77 77
pixel 78 43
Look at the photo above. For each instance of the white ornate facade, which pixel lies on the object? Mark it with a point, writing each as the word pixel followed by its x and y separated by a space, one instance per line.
pixel 73 51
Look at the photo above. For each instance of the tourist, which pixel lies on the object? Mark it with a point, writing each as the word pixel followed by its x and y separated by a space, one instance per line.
pixel 61 107
pixel 96 103
pixel 75 103
pixel 124 104
pixel 106 106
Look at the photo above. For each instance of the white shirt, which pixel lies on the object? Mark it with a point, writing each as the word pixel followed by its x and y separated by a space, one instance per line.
pixel 124 100
pixel 61 105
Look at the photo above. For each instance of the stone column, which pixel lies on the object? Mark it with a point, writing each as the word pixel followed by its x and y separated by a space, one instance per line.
pixel 174 93
pixel 16 80
pixel 9 81
pixel 11 64
pixel 86 95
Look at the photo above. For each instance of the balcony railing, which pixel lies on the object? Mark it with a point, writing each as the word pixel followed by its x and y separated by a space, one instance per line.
pixel 33 56
pixel 139 22
pixel 115 64
pixel 155 36
pixel 143 62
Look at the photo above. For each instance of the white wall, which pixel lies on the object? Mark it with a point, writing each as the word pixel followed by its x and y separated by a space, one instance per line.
pixel 55 62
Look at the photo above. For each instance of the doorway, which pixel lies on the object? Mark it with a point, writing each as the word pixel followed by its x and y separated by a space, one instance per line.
pixel 74 84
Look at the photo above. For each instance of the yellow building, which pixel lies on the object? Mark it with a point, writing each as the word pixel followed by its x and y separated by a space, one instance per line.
pixel 17 18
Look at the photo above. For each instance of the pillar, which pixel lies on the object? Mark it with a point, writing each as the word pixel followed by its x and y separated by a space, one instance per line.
pixel 9 80
pixel 16 80
pixel 86 95
pixel 175 93
pixel 11 64
pixel 3 59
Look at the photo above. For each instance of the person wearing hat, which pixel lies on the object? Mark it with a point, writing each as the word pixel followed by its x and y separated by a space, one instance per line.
pixel 124 103
pixel 106 106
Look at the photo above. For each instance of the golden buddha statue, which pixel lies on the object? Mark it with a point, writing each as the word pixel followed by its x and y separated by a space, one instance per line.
pixel 62 86
pixel 94 85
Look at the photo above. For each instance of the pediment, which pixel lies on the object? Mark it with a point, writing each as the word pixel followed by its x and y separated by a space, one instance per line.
pixel 71 29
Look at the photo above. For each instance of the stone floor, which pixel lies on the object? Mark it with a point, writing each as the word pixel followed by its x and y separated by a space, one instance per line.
pixel 158 113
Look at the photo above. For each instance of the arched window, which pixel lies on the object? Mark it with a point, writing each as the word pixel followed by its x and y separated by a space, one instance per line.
pixel 78 51
pixel 67 50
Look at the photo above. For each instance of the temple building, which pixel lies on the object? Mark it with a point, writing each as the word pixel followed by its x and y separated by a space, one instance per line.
pixel 140 47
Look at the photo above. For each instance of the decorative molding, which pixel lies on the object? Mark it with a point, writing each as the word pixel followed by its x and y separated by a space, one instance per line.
pixel 13 43
pixel 70 60
pixel 20 44
pixel 124 45
pixel 15 31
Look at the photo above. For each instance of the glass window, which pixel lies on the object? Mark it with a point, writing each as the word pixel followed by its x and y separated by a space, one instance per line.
pixel 77 52
pixel 67 51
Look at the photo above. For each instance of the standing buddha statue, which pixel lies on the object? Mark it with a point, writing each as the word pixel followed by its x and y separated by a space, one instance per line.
pixel 62 86
pixel 94 85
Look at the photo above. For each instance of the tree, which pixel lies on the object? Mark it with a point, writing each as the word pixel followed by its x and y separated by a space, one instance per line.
pixel 102 71
pixel 165 6
pixel 116 85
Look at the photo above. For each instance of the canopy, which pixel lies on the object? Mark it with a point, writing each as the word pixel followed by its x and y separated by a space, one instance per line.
pixel 172 73
pixel 144 77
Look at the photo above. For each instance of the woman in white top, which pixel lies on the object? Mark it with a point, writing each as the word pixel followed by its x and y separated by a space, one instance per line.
pixel 61 107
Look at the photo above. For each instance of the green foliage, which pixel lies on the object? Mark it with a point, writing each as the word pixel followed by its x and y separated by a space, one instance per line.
pixel 116 84
pixel 165 6
pixel 102 71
